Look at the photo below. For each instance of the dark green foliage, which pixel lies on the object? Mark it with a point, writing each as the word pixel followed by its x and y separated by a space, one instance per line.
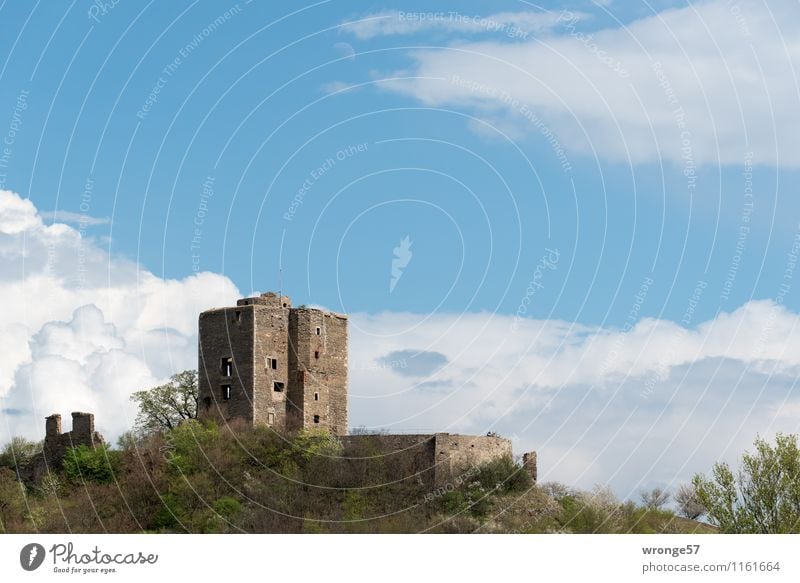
pixel 84 464
pixel 503 475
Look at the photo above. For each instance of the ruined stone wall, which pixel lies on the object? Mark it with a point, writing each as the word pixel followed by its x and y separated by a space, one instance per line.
pixel 432 460
pixel 226 333
pixel 457 453
pixel 402 457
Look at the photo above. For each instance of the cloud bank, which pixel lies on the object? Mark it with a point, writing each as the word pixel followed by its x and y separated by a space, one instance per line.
pixel 702 84
pixel 634 408
pixel 631 407
pixel 81 329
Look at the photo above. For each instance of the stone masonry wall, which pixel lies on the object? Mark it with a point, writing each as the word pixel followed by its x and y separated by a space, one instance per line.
pixel 56 444
pixel 457 453
pixel 226 333
pixel 318 364
pixel 432 460
pixel 403 457
pixel 271 350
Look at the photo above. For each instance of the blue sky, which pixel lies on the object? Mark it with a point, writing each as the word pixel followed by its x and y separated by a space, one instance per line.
pixel 651 146
pixel 249 107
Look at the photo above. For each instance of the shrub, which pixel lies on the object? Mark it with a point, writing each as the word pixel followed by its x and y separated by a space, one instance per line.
pixel 86 464
pixel 503 475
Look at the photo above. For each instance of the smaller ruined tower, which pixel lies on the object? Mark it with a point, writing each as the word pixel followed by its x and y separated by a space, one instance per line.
pixel 56 443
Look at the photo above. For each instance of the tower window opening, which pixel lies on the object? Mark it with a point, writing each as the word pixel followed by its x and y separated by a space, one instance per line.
pixel 272 363
pixel 316 418
pixel 316 396
pixel 316 354
pixel 277 387
pixel 226 366
pixel 318 330
pixel 226 392
pixel 237 316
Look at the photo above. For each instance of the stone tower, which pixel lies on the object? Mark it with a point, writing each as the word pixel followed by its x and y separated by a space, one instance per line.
pixel 264 361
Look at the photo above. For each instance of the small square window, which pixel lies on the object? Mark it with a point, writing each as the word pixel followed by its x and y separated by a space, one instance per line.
pixel 316 396
pixel 272 363
pixel 318 330
pixel 226 392
pixel 316 418
pixel 277 387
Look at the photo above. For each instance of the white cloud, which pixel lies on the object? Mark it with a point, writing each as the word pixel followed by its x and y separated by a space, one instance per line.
pixel 599 404
pixel 395 22
pixel 82 330
pixel 701 84
pixel 72 218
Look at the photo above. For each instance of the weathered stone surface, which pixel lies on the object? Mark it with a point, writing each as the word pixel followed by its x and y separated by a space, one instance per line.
pixel 56 444
pixel 264 361
pixel 432 460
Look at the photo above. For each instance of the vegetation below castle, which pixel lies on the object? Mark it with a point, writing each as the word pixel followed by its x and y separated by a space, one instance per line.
pixel 203 478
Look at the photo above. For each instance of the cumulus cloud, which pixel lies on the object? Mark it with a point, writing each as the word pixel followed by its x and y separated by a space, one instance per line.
pixel 83 329
pixel 705 83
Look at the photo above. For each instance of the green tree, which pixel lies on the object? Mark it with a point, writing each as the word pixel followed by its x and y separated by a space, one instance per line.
pixel 18 452
pixel 163 407
pixel 762 497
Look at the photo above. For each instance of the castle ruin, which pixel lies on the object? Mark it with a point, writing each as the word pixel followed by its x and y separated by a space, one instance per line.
pixel 56 443
pixel 265 362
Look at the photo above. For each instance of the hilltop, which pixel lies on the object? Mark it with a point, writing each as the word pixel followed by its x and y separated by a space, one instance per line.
pixel 202 478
